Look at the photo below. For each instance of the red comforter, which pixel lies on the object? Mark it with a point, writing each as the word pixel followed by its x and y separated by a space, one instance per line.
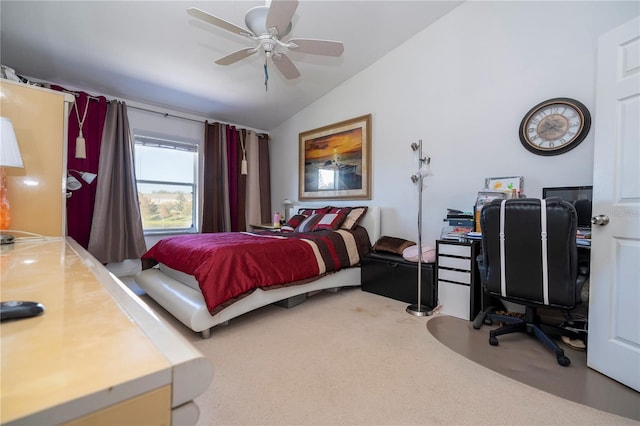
pixel 230 264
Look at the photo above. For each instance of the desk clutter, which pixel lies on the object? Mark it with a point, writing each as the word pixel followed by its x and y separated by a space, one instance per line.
pixel 461 225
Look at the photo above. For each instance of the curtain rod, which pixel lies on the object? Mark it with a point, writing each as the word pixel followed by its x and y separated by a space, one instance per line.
pixel 77 95
pixel 166 114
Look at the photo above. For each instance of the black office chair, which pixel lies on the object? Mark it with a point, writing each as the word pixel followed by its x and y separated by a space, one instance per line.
pixel 530 259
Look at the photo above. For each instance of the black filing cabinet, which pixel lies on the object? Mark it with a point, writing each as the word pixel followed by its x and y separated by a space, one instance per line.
pixel 392 276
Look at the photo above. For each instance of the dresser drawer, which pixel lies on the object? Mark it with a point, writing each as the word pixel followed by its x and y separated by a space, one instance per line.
pixel 454 263
pixel 454 299
pixel 455 250
pixel 455 276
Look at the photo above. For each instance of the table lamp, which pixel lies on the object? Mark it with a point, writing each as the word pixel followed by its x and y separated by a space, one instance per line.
pixel 287 205
pixel 9 157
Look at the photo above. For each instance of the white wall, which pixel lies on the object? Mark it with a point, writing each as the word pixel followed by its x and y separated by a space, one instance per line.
pixel 462 86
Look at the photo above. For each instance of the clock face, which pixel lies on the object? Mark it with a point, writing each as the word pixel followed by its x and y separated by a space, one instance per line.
pixel 555 126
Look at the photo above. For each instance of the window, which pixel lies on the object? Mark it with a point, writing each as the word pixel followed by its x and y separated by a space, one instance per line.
pixel 166 173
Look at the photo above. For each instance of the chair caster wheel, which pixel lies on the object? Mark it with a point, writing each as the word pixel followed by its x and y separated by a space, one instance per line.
pixel 563 361
pixel 487 321
pixel 493 341
pixel 477 323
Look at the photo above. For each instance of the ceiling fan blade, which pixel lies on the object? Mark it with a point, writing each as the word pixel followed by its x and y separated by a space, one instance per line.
pixel 286 67
pixel 218 22
pixel 236 56
pixel 316 47
pixel 280 14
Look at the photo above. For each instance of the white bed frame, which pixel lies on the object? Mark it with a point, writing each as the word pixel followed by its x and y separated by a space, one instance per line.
pixel 188 305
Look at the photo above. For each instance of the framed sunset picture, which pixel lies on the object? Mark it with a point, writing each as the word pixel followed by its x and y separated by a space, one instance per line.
pixel 335 161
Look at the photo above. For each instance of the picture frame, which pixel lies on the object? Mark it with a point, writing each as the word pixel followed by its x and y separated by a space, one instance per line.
pixel 505 184
pixel 335 161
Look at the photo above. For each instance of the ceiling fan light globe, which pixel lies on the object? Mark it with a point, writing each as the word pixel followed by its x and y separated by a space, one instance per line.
pixel 256 20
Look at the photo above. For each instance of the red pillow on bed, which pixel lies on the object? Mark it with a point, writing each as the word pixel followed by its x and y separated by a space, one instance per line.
pixel 309 212
pixel 331 221
pixel 308 224
pixel 344 210
pixel 293 223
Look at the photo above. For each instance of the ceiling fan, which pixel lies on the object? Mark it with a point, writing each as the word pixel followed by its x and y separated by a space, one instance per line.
pixel 267 26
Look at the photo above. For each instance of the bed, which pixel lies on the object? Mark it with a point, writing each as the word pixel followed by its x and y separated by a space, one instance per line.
pixel 180 293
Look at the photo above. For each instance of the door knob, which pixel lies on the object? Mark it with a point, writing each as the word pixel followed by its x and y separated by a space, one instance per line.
pixel 601 220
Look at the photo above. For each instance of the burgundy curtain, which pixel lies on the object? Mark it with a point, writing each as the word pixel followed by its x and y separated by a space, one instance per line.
pixel 225 187
pixel 80 204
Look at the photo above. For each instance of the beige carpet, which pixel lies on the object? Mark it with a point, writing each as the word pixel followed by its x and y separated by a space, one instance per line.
pixel 523 358
pixel 356 358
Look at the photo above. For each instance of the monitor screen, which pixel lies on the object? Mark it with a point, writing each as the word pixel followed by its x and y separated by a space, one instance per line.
pixel 579 196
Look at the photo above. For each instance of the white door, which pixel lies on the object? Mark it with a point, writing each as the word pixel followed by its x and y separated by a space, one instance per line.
pixel 614 299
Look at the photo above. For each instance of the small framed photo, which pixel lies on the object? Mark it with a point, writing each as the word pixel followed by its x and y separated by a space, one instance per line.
pixel 509 183
pixel 335 161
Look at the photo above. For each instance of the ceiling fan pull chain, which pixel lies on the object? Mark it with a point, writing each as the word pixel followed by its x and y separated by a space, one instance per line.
pixel 81 146
pixel 266 76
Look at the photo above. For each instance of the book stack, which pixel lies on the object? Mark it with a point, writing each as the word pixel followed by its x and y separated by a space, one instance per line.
pixel 459 223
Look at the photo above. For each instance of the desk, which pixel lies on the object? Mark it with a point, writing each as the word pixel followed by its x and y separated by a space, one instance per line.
pixel 97 354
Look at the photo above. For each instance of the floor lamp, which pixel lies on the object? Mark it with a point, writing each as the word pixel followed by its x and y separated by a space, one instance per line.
pixel 424 170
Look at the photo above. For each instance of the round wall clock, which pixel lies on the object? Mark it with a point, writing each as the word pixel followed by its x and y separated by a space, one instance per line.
pixel 555 126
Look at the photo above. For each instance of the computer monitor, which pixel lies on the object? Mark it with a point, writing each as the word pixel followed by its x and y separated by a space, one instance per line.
pixel 579 196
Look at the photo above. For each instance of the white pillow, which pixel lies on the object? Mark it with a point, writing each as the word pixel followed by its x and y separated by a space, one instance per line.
pixel 428 253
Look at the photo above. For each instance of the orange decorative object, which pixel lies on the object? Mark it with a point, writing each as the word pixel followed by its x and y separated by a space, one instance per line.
pixel 5 209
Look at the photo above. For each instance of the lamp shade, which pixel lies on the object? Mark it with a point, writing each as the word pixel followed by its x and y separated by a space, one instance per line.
pixel 73 184
pixel 88 177
pixel 9 149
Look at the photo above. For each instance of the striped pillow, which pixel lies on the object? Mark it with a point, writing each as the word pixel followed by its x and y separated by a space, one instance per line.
pixel 308 224
pixel 292 223
pixel 309 212
pixel 330 221
pixel 354 217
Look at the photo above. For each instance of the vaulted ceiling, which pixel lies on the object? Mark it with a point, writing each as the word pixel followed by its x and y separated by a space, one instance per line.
pixel 153 52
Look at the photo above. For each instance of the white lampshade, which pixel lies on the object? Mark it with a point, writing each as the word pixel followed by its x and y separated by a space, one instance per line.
pixel 73 184
pixel 88 177
pixel 9 149
pixel 85 176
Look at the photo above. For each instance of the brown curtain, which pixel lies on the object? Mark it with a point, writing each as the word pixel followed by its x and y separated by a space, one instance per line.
pixel 233 200
pixel 265 179
pixel 116 230
pixel 213 216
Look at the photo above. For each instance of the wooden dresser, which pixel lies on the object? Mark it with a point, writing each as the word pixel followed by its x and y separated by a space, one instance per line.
pixel 97 355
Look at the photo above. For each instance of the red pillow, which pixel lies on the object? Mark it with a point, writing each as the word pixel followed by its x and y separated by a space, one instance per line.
pixel 308 224
pixel 344 210
pixel 331 221
pixel 292 223
pixel 309 212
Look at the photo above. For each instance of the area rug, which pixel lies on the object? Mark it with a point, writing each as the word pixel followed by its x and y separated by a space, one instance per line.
pixel 523 358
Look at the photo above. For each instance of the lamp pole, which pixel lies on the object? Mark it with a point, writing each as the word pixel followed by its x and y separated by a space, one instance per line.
pixel 418 309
